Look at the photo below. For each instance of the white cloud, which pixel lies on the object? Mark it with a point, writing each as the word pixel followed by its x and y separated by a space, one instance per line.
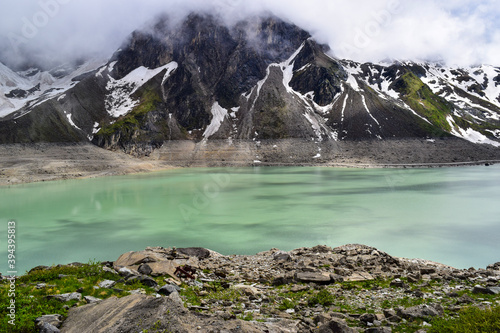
pixel 459 31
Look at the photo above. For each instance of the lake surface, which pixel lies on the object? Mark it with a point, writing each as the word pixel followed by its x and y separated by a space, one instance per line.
pixel 449 215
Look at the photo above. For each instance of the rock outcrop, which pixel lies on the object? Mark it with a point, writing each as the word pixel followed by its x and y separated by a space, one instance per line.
pixel 351 288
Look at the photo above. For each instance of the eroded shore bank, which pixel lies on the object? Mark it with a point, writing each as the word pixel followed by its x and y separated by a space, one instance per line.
pixel 25 163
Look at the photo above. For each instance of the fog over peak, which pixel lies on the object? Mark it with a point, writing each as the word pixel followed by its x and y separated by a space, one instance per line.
pixel 459 32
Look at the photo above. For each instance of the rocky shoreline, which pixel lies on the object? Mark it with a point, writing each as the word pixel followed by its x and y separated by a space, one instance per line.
pixel 27 163
pixel 351 288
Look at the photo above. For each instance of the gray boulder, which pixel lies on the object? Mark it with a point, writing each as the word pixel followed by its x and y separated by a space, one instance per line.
pixel 147 281
pixel 48 328
pixel 495 266
pixel 335 326
pixel 107 284
pixel 145 269
pixel 313 277
pixel 127 272
pixel 52 319
pixel 421 311
pixel 91 299
pixel 197 252
pixel 168 289
pixel 66 297
pixel 494 290
pixel 378 330
pixel 367 318
pixel 282 257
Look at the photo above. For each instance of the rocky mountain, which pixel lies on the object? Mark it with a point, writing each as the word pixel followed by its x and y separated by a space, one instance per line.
pixel 255 80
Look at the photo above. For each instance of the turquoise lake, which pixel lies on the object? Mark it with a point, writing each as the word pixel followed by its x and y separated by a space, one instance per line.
pixel 449 215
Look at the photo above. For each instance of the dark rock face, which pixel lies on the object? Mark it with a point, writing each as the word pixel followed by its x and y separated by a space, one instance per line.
pixel 197 252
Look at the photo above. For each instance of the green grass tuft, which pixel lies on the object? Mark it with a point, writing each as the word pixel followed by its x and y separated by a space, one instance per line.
pixel 470 320
pixel 423 101
pixel 133 120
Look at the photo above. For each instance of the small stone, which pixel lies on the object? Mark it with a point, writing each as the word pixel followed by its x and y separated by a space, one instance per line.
pixel 495 266
pixel 126 272
pixel 480 290
pixel 282 257
pixel 147 281
pixel 281 280
pixel 367 318
pixel 465 299
pixel 137 291
pixel 322 318
pixel 379 330
pixel 313 277
pixel 198 252
pixel 414 278
pixel 397 283
pixel 336 278
pixel 168 289
pixel 247 290
pixel 109 270
pixel 337 326
pixel 91 299
pixel 494 290
pixel 107 284
pixel 48 328
pixel 427 270
pixel 421 311
pixel 297 288
pixel 145 269
pixel 394 319
pixel 66 297
pixel 52 319
pixel 321 249
pixel 359 276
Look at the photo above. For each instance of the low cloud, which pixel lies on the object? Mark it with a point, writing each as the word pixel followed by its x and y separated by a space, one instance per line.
pixel 462 32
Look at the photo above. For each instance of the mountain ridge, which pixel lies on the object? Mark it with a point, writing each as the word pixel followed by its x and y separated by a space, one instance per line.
pixel 260 79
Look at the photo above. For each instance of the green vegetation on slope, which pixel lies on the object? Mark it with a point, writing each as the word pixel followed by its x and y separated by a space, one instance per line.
pixel 470 320
pixel 132 121
pixel 423 101
pixel 33 288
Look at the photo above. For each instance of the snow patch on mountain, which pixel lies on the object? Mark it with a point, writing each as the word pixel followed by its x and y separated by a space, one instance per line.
pixel 119 101
pixel 218 115
pixel 68 115
pixel 38 86
pixel 469 134
pixel 368 110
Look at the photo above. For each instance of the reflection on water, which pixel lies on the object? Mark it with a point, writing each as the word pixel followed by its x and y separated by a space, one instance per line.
pixel 449 215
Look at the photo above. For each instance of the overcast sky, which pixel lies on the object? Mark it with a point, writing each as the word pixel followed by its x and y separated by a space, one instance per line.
pixel 462 32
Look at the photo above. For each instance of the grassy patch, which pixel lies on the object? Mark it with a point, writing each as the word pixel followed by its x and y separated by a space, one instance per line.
pixel 423 101
pixel 470 320
pixel 286 304
pixel 31 297
pixel 132 121
pixel 324 297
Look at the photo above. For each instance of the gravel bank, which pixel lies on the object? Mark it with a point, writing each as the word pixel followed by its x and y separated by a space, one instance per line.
pixel 25 163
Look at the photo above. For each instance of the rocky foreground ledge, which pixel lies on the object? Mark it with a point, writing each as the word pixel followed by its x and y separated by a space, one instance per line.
pixel 351 288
